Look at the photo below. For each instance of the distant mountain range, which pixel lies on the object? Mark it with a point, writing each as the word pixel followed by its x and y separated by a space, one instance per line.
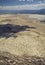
pixel 41 11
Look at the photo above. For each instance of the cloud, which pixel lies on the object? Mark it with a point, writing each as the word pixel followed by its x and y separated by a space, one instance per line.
pixel 24 7
pixel 40 2
pixel 44 0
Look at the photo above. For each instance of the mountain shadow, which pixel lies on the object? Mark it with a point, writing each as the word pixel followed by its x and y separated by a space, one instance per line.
pixel 10 30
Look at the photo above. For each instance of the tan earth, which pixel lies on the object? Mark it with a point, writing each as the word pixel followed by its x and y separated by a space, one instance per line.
pixel 22 34
pixel 30 41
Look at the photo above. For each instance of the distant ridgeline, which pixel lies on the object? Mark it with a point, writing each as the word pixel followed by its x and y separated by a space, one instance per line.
pixel 41 11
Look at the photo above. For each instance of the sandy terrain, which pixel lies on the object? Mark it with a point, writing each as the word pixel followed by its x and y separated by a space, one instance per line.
pixel 22 35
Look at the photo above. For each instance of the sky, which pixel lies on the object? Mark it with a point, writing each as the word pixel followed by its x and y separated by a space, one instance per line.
pixel 22 4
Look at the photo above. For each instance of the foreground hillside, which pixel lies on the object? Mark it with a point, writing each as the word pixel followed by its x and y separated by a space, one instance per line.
pixel 22 36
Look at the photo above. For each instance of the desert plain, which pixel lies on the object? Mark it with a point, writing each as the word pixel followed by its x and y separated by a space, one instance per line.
pixel 23 35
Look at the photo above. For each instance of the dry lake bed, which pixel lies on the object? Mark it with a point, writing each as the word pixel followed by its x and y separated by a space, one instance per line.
pixel 22 39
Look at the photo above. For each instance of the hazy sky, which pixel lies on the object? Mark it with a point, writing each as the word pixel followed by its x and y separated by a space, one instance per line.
pixel 22 4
